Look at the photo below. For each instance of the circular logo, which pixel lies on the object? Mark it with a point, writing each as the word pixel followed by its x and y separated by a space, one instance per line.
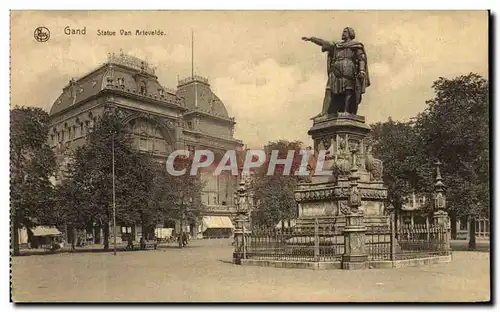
pixel 42 34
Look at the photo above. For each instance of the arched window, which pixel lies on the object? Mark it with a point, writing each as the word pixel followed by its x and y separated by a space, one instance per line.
pixel 142 87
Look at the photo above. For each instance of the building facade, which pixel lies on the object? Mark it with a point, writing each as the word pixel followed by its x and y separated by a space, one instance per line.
pixel 413 212
pixel 160 119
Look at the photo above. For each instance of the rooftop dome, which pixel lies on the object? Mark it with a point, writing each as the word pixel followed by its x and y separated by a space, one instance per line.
pixel 198 95
pixel 121 72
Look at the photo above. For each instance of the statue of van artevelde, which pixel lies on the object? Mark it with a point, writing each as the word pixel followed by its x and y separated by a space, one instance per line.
pixel 338 131
pixel 347 70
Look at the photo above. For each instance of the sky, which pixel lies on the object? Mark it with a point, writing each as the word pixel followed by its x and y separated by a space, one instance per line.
pixel 270 80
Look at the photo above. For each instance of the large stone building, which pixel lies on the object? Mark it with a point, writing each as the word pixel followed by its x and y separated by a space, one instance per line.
pixel 161 120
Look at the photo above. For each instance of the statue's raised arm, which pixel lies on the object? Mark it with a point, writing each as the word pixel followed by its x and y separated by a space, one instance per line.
pixel 325 45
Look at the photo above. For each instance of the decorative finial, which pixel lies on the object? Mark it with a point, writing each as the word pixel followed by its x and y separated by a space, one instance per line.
pixel 439 179
pixel 439 197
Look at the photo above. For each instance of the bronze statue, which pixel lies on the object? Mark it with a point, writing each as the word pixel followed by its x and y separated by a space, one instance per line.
pixel 347 73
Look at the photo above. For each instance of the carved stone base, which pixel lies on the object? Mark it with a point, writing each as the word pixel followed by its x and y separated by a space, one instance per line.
pixel 326 196
pixel 355 256
pixel 330 199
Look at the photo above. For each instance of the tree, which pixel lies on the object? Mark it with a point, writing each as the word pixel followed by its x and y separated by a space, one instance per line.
pixel 32 162
pixel 406 167
pixel 455 130
pixel 273 195
pixel 182 194
pixel 89 180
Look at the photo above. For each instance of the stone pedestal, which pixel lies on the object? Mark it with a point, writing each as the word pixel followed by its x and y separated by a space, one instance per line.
pixel 238 246
pixel 325 196
pixel 442 219
pixel 355 256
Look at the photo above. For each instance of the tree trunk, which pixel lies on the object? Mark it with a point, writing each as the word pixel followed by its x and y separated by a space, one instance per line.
pixel 181 235
pixel 472 234
pixel 73 237
pixel 397 207
pixel 15 237
pixel 454 230
pixel 106 236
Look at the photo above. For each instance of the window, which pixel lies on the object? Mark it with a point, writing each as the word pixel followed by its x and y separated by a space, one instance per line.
pixel 421 201
pixel 190 125
pixel 51 139
pixel 81 129
pixel 62 136
pixel 143 88
pixel 126 230
pixel 143 144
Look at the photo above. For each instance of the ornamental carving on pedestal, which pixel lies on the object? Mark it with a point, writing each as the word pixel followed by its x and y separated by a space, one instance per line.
pixel 355 243
pixel 339 193
pixel 122 114
pixel 169 123
pixel 344 207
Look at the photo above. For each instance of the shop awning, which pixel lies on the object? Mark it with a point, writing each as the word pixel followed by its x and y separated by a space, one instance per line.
pixel 45 231
pixel 212 222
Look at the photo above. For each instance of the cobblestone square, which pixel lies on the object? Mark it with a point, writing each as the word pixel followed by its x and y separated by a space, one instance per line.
pixel 203 272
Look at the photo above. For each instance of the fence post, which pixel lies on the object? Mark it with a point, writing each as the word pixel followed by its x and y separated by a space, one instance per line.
pixel 238 238
pixel 442 224
pixel 393 239
pixel 355 256
pixel 316 240
pixel 427 229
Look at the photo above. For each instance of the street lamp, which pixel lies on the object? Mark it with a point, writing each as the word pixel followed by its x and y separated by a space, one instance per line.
pixel 114 195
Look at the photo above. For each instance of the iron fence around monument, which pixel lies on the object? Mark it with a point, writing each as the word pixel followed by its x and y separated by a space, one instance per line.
pixel 305 244
pixel 407 241
pixel 325 243
pixel 421 240
pixel 379 242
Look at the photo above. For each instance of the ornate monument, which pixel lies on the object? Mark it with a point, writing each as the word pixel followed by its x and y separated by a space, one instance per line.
pixel 338 131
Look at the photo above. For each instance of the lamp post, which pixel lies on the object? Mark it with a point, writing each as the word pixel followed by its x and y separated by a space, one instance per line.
pixel 114 195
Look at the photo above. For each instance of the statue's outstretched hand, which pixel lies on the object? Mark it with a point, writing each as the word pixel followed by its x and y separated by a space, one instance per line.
pixel 306 39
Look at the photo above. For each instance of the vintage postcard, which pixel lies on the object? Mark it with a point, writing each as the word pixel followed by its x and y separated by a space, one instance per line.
pixel 250 156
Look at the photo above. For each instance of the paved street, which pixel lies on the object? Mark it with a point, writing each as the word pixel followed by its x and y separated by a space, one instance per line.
pixel 203 272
